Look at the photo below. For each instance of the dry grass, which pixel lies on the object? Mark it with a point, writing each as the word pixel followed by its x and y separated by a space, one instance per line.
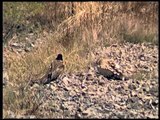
pixel 75 34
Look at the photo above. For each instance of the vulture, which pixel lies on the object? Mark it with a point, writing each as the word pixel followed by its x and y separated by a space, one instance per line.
pixel 56 68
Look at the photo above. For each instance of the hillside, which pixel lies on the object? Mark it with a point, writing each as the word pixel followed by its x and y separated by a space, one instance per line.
pixel 84 32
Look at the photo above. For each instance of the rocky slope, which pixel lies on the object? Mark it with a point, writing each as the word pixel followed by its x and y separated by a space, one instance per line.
pixel 90 95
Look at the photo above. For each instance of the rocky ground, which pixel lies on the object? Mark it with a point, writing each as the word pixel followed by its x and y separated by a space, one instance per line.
pixel 90 95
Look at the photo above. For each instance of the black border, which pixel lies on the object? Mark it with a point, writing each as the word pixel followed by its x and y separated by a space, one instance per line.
pixel 1 13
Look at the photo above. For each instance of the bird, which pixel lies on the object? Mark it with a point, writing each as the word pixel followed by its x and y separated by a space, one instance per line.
pixel 55 69
pixel 109 70
pixel 110 74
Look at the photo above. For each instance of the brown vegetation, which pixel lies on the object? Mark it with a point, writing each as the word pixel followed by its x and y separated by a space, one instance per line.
pixel 74 29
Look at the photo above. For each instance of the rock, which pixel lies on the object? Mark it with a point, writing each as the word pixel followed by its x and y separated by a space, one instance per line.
pixel 89 77
pixel 54 88
pixel 113 116
pixel 4 82
pixel 31 116
pixel 72 93
pixel 133 99
pixel 16 45
pixel 5 78
pixel 108 106
pixel 142 57
pixel 147 104
pixel 150 116
pixel 20 50
pixel 135 105
pixel 83 86
pixel 120 115
pixel 89 112
pixel 155 102
pixel 133 94
pixel 154 90
pixel 101 82
pixel 11 114
pixel 27 49
pixel 132 86
pixel 54 108
pixel 35 85
pixel 66 80
pixel 32 44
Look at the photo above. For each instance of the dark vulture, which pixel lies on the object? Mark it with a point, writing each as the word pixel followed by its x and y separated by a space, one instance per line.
pixel 56 68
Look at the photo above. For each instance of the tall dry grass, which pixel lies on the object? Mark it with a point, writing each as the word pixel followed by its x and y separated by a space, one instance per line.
pixel 74 29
